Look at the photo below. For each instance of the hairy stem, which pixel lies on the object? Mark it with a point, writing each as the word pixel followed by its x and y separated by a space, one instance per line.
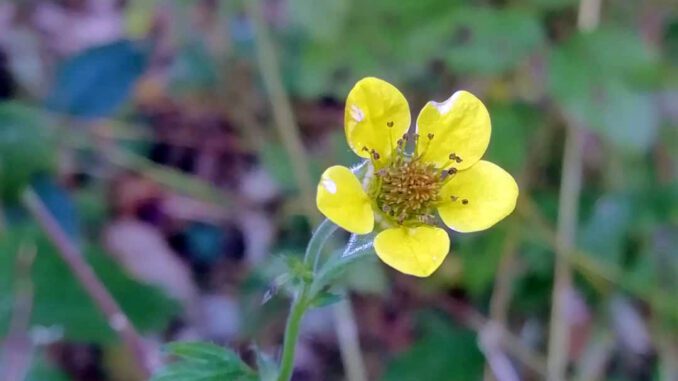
pixel 286 125
pixel 299 307
pixel 301 300
pixel 74 259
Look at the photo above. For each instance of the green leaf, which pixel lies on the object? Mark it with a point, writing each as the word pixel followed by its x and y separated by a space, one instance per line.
pixel 596 77
pixel 606 232
pixel 442 353
pixel 480 254
pixel 96 82
pixel 311 17
pixel 276 161
pixel 297 268
pixel 43 370
pixel 512 127
pixel 193 69
pixel 358 249
pixel 325 298
pixel 552 4
pixel 61 302
pixel 26 147
pixel 200 361
pixel 488 40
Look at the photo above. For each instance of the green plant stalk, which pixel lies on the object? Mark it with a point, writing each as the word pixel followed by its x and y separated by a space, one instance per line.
pixel 302 300
pixel 286 125
pixel 299 307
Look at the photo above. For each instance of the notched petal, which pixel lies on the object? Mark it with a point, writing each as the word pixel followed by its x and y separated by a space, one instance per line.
pixel 376 116
pixel 459 131
pixel 341 198
pixel 477 198
pixel 417 251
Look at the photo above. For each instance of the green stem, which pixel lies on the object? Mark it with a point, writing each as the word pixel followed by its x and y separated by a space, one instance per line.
pixel 302 300
pixel 297 312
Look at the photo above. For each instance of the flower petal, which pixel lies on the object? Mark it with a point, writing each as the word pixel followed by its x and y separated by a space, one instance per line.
pixel 341 198
pixel 478 197
pixel 416 251
pixel 460 125
pixel 376 116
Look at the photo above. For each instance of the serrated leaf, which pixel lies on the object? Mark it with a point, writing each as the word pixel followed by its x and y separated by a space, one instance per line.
pixel 200 361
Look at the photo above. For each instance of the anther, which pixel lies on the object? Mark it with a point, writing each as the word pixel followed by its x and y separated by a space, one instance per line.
pixel 454 198
pixel 375 154
pixel 452 171
pixel 430 136
pixel 366 149
pixel 464 201
pixel 389 123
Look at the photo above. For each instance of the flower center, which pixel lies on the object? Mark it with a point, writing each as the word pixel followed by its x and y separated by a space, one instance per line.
pixel 408 190
pixel 405 188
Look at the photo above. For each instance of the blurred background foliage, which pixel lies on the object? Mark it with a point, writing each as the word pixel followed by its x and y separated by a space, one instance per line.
pixel 148 130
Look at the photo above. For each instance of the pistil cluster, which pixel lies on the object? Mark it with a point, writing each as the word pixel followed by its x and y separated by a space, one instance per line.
pixel 407 189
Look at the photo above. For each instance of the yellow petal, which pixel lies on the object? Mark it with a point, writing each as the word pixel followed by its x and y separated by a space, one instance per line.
pixel 478 197
pixel 376 116
pixel 416 251
pixel 341 198
pixel 460 125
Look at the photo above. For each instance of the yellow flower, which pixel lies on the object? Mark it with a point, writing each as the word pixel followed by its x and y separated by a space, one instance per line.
pixel 410 177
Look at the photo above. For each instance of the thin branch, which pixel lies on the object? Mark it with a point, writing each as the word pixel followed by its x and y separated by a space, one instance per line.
pixel 596 270
pixel 499 363
pixel 283 116
pixel 469 317
pixel 74 259
pixel 17 348
pixel 568 207
pixel 509 342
